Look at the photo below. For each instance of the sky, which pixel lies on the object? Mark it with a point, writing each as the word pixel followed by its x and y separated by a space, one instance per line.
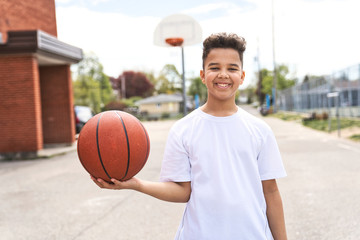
pixel 314 37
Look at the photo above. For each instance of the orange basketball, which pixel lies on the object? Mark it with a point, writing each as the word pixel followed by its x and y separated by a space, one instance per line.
pixel 113 144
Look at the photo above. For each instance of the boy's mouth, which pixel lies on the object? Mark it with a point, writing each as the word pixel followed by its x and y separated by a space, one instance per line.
pixel 223 85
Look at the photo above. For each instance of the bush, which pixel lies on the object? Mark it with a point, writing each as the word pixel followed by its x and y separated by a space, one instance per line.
pixel 116 105
pixel 165 115
pixel 130 102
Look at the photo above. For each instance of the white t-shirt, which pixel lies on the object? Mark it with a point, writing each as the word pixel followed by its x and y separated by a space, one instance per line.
pixel 225 158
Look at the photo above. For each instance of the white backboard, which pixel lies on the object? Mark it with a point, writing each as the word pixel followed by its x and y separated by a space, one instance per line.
pixel 178 26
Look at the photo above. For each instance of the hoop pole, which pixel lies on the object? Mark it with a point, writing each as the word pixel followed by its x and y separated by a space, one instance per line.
pixel 183 80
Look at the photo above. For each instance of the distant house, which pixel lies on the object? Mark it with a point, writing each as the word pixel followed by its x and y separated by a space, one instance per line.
pixel 157 106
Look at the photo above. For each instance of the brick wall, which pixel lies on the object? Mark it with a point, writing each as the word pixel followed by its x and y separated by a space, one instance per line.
pixel 57 104
pixel 27 15
pixel 20 108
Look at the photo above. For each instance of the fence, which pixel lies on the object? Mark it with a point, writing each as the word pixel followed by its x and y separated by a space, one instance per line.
pixel 340 90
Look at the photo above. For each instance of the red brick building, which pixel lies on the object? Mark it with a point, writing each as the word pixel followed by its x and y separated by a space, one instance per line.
pixel 36 100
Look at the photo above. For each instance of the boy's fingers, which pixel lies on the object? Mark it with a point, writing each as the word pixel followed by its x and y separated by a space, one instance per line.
pixel 116 184
pixel 115 181
pixel 101 183
pixel 97 183
pixel 104 184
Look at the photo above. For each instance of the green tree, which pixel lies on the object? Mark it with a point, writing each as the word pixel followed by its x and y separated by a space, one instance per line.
pixel 283 79
pixel 267 81
pixel 249 92
pixel 152 78
pixel 92 87
pixel 169 80
pixel 198 87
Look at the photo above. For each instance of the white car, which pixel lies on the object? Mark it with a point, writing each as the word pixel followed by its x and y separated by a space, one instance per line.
pixel 82 115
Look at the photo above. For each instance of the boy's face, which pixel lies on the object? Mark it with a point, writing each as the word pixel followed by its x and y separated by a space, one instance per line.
pixel 222 74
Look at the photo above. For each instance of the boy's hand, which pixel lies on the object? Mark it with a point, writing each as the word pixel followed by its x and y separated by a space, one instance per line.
pixel 167 191
pixel 132 183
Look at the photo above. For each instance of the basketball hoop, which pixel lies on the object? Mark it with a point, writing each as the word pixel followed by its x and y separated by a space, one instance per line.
pixel 175 42
pixel 178 30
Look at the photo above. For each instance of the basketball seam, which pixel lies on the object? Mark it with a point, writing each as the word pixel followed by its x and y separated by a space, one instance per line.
pixel 128 145
pixel 98 147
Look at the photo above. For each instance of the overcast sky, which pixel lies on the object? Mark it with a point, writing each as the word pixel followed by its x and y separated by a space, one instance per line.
pixel 311 36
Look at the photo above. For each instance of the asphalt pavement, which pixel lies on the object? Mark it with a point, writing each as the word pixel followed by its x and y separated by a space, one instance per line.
pixel 54 198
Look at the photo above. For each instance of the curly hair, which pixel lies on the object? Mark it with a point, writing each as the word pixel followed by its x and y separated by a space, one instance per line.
pixel 224 40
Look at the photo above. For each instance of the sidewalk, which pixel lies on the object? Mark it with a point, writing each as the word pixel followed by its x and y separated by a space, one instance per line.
pixel 53 151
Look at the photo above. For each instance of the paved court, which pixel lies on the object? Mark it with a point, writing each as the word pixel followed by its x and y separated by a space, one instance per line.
pixel 55 198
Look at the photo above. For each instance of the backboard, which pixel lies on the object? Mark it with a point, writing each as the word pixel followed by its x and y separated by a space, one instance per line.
pixel 178 26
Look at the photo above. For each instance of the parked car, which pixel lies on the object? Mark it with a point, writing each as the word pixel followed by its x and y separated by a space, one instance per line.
pixel 82 115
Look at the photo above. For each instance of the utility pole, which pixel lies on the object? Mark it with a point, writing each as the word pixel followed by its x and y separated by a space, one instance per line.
pixel 259 69
pixel 123 87
pixel 274 61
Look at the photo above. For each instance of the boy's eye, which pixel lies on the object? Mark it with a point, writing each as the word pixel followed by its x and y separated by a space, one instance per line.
pixel 233 69
pixel 214 68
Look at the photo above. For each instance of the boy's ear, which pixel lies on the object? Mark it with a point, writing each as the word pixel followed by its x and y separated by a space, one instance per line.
pixel 202 76
pixel 242 77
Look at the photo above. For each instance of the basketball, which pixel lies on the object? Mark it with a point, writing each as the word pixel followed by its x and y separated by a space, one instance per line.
pixel 113 144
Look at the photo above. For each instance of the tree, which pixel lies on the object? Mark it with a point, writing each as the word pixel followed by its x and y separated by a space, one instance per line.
pixel 163 85
pixel 169 80
pixel 266 82
pixel 249 92
pixel 136 84
pixel 260 95
pixel 92 87
pixel 199 88
pixel 283 80
pixel 152 78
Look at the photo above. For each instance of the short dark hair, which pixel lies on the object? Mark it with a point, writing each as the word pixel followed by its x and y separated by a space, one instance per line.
pixel 224 40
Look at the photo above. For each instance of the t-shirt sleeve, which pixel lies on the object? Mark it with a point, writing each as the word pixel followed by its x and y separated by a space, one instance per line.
pixel 269 159
pixel 176 165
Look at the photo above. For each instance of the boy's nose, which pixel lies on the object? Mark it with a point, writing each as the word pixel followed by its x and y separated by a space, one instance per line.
pixel 223 75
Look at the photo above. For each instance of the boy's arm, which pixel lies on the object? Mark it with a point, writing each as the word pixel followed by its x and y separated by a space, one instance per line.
pixel 274 212
pixel 167 191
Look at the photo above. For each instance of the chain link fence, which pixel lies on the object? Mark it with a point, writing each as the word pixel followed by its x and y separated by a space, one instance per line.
pixel 334 94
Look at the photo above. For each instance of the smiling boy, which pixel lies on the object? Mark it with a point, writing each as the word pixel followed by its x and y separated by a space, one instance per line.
pixel 220 159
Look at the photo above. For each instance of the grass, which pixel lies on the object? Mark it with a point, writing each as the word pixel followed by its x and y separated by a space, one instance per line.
pixel 322 125
pixel 355 137
pixel 287 116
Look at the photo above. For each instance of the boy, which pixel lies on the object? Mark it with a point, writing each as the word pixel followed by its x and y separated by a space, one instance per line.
pixel 220 159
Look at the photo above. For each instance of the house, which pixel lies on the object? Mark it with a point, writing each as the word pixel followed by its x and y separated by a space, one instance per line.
pixel 161 105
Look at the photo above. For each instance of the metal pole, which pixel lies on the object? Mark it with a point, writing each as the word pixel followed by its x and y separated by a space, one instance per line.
pixel 338 115
pixel 275 74
pixel 259 69
pixel 123 87
pixel 358 100
pixel 350 102
pixel 183 80
pixel 329 114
